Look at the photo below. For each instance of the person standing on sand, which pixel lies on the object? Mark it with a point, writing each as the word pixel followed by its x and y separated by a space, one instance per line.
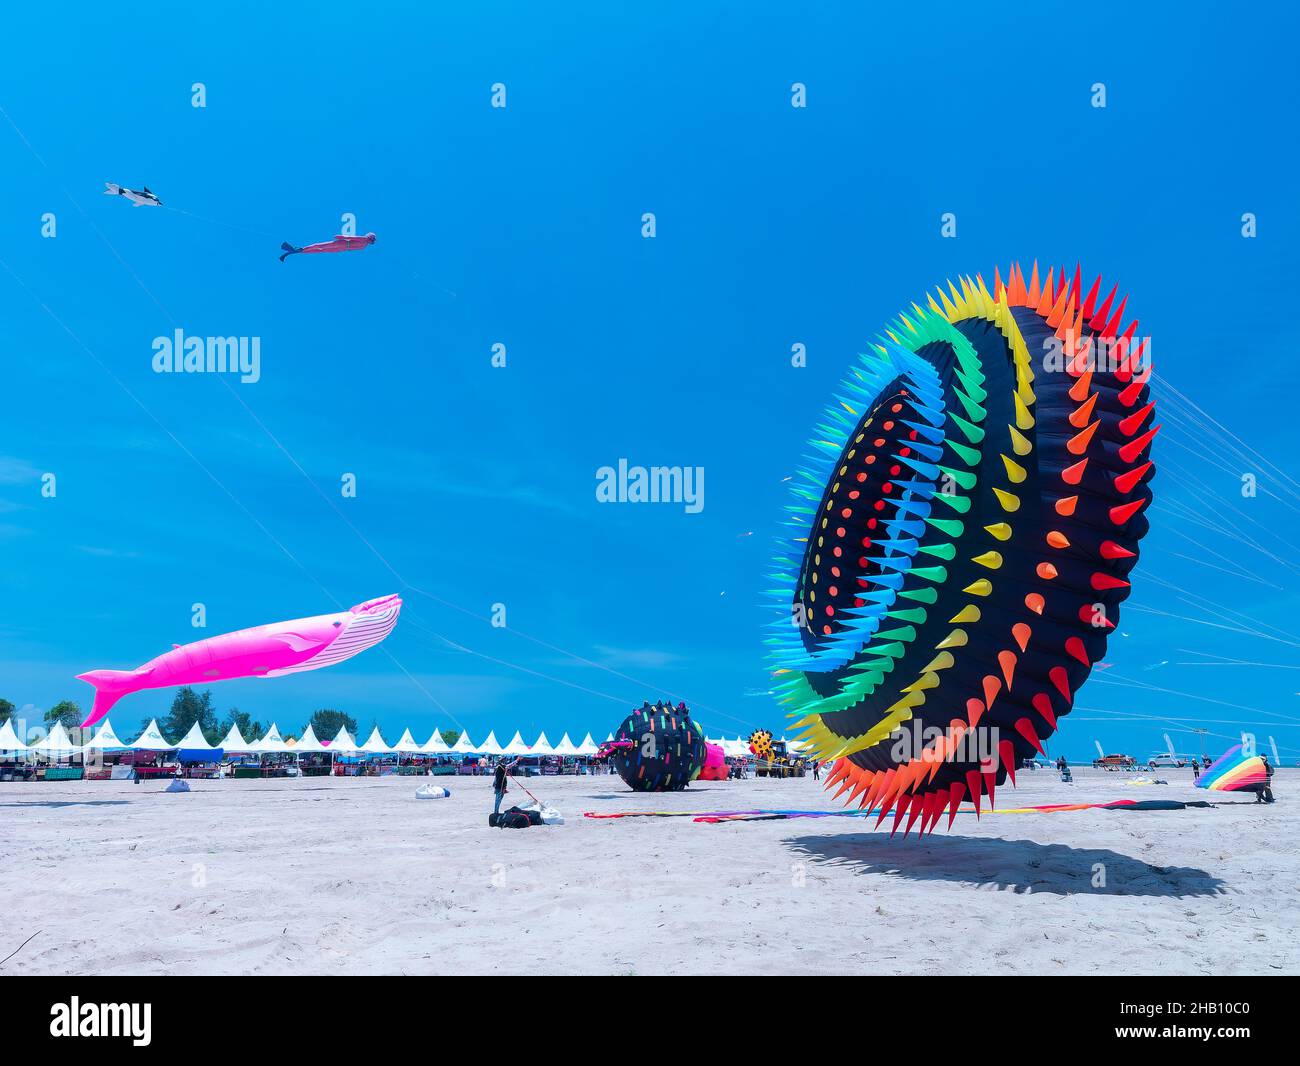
pixel 1264 792
pixel 499 786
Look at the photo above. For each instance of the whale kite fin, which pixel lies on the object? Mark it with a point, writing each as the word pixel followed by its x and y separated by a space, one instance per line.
pixel 109 688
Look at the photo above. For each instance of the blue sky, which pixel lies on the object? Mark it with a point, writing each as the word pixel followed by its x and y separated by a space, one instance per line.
pixel 522 226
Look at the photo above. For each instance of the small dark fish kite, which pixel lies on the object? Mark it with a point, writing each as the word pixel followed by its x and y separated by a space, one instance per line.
pixel 339 244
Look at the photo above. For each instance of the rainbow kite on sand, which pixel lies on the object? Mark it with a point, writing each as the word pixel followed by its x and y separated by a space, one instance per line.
pixel 1234 771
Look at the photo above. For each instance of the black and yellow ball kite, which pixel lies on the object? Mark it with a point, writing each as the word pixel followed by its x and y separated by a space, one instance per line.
pixel 963 540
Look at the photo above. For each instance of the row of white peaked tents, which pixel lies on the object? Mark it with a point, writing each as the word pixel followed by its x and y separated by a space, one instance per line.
pixel 57 743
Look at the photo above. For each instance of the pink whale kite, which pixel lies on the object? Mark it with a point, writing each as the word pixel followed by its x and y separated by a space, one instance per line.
pixel 340 243
pixel 263 651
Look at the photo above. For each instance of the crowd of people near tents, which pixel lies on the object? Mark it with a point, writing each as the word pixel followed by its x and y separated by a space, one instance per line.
pixel 57 754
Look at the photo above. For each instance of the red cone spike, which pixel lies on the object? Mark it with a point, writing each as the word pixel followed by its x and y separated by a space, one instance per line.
pixel 1099 319
pixel 900 809
pixel 1126 482
pixel 1111 550
pixel 1085 616
pixel 1120 515
pixel 1113 325
pixel 955 792
pixel 1007 753
pixel 1043 705
pixel 1130 425
pixel 1102 582
pixel 914 812
pixel 976 789
pixel 1130 451
pixel 1058 676
pixel 1092 298
pixel 1026 729
pixel 1075 649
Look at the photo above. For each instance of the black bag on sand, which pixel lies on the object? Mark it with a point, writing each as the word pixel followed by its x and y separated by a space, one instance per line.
pixel 514 819
pixel 493 819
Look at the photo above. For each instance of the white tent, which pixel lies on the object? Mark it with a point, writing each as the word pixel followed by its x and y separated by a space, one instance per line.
pixel 103 740
pixel 151 739
pixel 407 745
pixel 308 744
pixel 492 746
pixel 435 745
pixel 234 740
pixel 9 739
pixel 542 746
pixel 566 746
pixel 194 740
pixel 375 745
pixel 588 746
pixel 57 743
pixel 516 746
pixel 465 746
pixel 271 744
pixel 343 744
pixel 609 738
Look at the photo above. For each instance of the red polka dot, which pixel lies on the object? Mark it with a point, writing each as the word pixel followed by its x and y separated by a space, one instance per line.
pixel 889 425
pixel 830 611
pixel 826 630
pixel 837 552
pixel 887 487
pixel 896 408
pixel 870 459
pixel 863 477
pixel 854 494
pixel 866 541
pixel 895 470
pixel 864 561
pixel 833 591
pixel 880 442
pixel 871 523
pixel 839 531
pixel 857 602
pixel 880 505
pixel 905 452
pixel 912 435
pixel 846 513
pixel 835 571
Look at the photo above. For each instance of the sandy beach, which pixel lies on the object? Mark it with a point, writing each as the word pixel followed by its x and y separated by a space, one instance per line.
pixel 325 875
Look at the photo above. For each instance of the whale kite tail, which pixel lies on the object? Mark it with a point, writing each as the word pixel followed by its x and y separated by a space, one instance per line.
pixel 110 686
pixel 112 190
pixel 289 250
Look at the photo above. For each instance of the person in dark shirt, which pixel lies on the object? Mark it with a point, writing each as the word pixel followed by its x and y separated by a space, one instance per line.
pixel 1265 792
pixel 499 783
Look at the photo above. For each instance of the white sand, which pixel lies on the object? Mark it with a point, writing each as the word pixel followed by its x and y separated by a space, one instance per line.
pixel 357 876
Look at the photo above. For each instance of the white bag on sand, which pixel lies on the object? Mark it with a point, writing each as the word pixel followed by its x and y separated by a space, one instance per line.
pixel 431 792
pixel 550 816
pixel 177 785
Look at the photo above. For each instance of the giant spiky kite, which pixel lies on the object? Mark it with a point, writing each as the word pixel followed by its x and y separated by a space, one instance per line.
pixel 963 540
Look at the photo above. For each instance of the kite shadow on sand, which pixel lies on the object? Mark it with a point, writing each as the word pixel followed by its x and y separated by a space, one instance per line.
pixel 67 803
pixel 1022 866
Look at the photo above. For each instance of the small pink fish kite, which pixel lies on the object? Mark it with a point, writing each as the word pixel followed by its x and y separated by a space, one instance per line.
pixel 339 244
